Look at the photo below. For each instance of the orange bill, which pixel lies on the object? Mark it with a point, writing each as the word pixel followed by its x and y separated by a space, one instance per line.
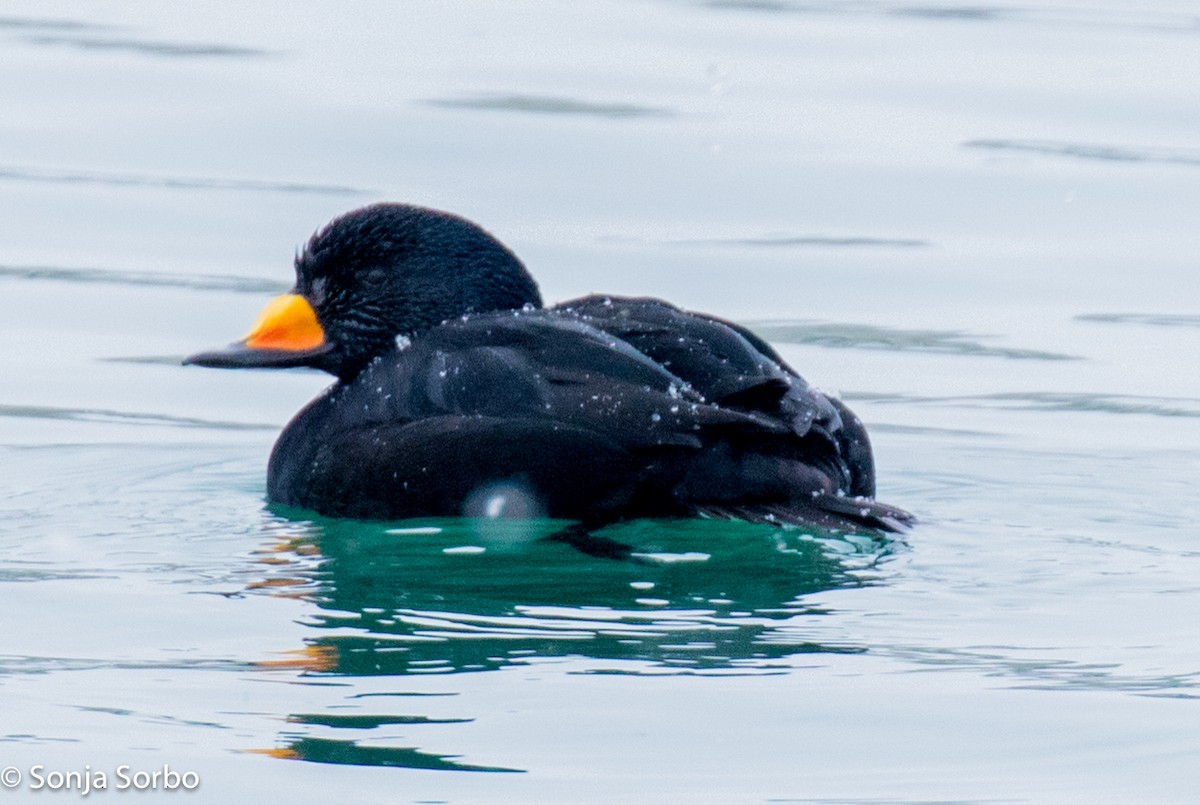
pixel 286 334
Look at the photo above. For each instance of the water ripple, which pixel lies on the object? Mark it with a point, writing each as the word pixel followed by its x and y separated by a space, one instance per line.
pixel 865 336
pixel 195 282
pixel 367 721
pixel 889 801
pixel 27 739
pixel 1147 20
pixel 150 718
pixel 11 574
pixel 27 23
pixel 26 174
pixel 149 48
pixel 1097 402
pixel 1102 153
pixel 1152 319
pixel 17 664
pixel 123 417
pixel 1050 673
pixel 550 105
pixel 784 241
pixel 952 12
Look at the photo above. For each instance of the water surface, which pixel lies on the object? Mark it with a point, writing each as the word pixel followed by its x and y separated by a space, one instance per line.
pixel 975 224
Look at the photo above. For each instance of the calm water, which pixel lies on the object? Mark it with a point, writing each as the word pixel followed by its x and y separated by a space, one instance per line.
pixel 976 223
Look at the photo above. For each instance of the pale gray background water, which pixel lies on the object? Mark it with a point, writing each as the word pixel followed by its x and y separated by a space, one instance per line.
pixel 976 223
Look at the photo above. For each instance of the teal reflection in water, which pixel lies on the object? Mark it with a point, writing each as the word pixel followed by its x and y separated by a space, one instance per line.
pixel 351 753
pixel 457 595
pixel 454 595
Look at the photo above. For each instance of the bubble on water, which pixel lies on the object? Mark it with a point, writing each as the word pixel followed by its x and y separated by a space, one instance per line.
pixel 672 558
pixel 495 506
pixel 503 500
pixel 465 550
pixel 425 529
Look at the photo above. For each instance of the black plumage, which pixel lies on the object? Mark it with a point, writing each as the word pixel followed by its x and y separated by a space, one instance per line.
pixel 458 393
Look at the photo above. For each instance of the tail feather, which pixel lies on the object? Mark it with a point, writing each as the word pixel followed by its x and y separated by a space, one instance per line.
pixel 822 511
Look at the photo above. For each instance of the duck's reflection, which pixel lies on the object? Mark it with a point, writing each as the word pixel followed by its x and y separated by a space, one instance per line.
pixel 474 595
pixel 454 596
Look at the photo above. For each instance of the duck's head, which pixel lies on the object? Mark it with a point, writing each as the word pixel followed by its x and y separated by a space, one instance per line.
pixel 374 275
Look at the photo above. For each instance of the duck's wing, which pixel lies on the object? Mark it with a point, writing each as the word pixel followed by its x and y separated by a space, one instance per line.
pixel 542 366
pixel 716 358
pixel 732 367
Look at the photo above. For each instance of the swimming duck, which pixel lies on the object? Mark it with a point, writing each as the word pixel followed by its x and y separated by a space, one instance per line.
pixel 459 393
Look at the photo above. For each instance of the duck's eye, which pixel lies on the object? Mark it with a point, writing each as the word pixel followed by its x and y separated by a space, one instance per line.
pixel 376 276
